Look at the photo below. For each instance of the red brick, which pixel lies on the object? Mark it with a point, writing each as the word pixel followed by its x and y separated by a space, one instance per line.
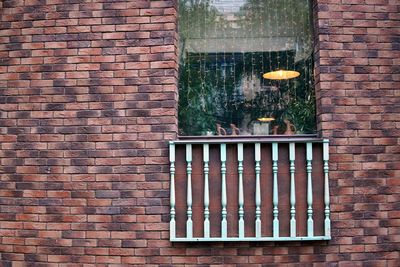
pixel 99 218
pixel 55 45
pixel 90 21
pixel 133 260
pixel 114 35
pixel 127 27
pixel 108 259
pixel 162 64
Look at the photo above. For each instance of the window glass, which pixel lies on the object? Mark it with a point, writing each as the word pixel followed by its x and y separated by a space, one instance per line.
pixel 245 67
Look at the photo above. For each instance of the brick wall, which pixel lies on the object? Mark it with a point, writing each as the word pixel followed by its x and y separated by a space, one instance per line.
pixel 88 102
pixel 358 106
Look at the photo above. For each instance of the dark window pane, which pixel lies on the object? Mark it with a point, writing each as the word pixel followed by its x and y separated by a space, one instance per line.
pixel 225 48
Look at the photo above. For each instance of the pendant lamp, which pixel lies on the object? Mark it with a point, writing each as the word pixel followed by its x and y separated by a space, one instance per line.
pixel 281 74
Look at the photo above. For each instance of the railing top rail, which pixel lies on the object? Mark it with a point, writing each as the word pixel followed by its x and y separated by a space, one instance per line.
pixel 248 139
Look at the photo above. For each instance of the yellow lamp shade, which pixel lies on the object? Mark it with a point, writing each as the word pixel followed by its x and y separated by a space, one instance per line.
pixel 265 119
pixel 281 74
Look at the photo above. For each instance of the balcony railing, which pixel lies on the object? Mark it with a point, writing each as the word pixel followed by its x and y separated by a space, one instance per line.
pixel 249 189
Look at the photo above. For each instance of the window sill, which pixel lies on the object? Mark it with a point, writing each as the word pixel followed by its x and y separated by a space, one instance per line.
pixel 247 139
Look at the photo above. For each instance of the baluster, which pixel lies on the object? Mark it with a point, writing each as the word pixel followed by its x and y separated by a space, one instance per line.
pixel 224 223
pixel 172 224
pixel 326 187
pixel 275 189
pixel 206 192
pixel 310 222
pixel 292 191
pixel 258 193
pixel 189 222
pixel 241 197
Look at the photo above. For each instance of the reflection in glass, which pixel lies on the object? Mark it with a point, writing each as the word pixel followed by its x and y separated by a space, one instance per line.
pixel 225 48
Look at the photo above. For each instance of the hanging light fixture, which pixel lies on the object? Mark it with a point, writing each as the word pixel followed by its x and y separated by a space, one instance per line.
pixel 281 74
pixel 265 119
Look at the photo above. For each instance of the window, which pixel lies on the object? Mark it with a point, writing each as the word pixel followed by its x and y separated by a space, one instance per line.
pixel 229 52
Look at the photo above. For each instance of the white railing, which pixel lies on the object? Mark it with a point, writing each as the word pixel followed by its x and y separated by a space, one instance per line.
pixel 274 213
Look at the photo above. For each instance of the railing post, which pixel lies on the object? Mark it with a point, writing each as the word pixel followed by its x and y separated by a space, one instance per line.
pixel 224 223
pixel 258 189
pixel 241 194
pixel 310 222
pixel 189 222
pixel 206 192
pixel 172 223
pixel 275 189
pixel 326 187
pixel 292 191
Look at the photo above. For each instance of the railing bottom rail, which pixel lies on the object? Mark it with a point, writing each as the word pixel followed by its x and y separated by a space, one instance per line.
pixel 235 239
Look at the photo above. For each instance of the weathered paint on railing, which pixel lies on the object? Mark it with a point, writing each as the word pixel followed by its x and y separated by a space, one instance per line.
pixel 275 211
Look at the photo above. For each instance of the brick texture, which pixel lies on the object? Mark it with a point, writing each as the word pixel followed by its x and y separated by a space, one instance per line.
pixel 89 101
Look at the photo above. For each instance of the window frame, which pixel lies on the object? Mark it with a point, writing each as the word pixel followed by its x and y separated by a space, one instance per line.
pixel 269 137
